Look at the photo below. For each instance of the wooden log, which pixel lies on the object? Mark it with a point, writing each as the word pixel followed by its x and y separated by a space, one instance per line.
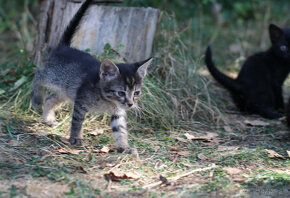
pixel 132 27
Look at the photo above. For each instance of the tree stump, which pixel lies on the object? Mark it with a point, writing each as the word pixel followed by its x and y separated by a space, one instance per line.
pixel 132 27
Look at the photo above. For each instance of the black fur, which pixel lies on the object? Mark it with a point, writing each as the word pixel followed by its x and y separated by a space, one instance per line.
pixel 73 25
pixel 258 87
pixel 288 113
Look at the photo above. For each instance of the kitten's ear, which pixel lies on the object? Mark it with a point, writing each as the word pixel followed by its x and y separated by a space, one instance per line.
pixel 276 33
pixel 142 67
pixel 108 70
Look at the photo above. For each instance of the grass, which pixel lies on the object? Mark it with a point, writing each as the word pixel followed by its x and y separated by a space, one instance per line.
pixel 179 97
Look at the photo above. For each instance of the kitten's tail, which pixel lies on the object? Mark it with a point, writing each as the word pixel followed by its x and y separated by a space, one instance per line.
pixel 226 81
pixel 73 25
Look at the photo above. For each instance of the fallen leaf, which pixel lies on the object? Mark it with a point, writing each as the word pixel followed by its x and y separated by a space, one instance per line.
pixel 256 123
pixel 43 133
pixel 202 157
pixel 13 143
pixel 70 151
pixel 179 152
pixel 273 154
pixel 116 175
pixel 104 150
pixel 228 129
pixel 181 139
pixel 96 132
pixel 106 164
pixel 208 137
pixel 211 135
pixel 232 171
pixel 227 148
pixel 189 136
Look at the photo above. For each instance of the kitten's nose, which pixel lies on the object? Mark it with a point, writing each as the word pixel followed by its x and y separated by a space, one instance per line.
pixel 130 104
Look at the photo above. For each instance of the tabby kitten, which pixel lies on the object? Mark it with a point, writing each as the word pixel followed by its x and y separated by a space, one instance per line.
pixel 90 85
pixel 258 87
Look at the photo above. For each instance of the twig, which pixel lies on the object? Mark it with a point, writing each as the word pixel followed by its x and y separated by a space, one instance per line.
pixel 180 176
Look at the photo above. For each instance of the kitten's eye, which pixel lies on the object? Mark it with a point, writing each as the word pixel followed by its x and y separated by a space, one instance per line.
pixel 283 48
pixel 136 93
pixel 121 93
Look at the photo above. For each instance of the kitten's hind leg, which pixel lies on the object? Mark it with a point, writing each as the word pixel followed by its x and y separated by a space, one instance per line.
pixel 51 103
pixel 37 91
pixel 79 113
pixel 266 112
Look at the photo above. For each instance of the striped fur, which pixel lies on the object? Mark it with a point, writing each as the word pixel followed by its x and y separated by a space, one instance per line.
pixel 119 128
pixel 75 76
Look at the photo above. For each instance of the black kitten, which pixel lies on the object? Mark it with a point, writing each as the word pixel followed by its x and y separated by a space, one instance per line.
pixel 288 113
pixel 258 87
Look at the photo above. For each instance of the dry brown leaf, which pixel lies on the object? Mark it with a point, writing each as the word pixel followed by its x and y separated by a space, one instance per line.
pixel 227 148
pixel 179 152
pixel 106 164
pixel 70 151
pixel 273 154
pixel 104 150
pixel 183 153
pixel 43 133
pixel 189 136
pixel 211 135
pixel 232 171
pixel 208 137
pixel 181 139
pixel 13 142
pixel 202 157
pixel 96 132
pixel 256 123
pixel 116 175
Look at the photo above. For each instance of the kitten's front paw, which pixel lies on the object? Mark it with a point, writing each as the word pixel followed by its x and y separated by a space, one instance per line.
pixel 128 150
pixel 76 141
pixel 51 123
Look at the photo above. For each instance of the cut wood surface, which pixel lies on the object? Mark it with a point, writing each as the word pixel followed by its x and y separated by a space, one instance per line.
pixel 132 27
